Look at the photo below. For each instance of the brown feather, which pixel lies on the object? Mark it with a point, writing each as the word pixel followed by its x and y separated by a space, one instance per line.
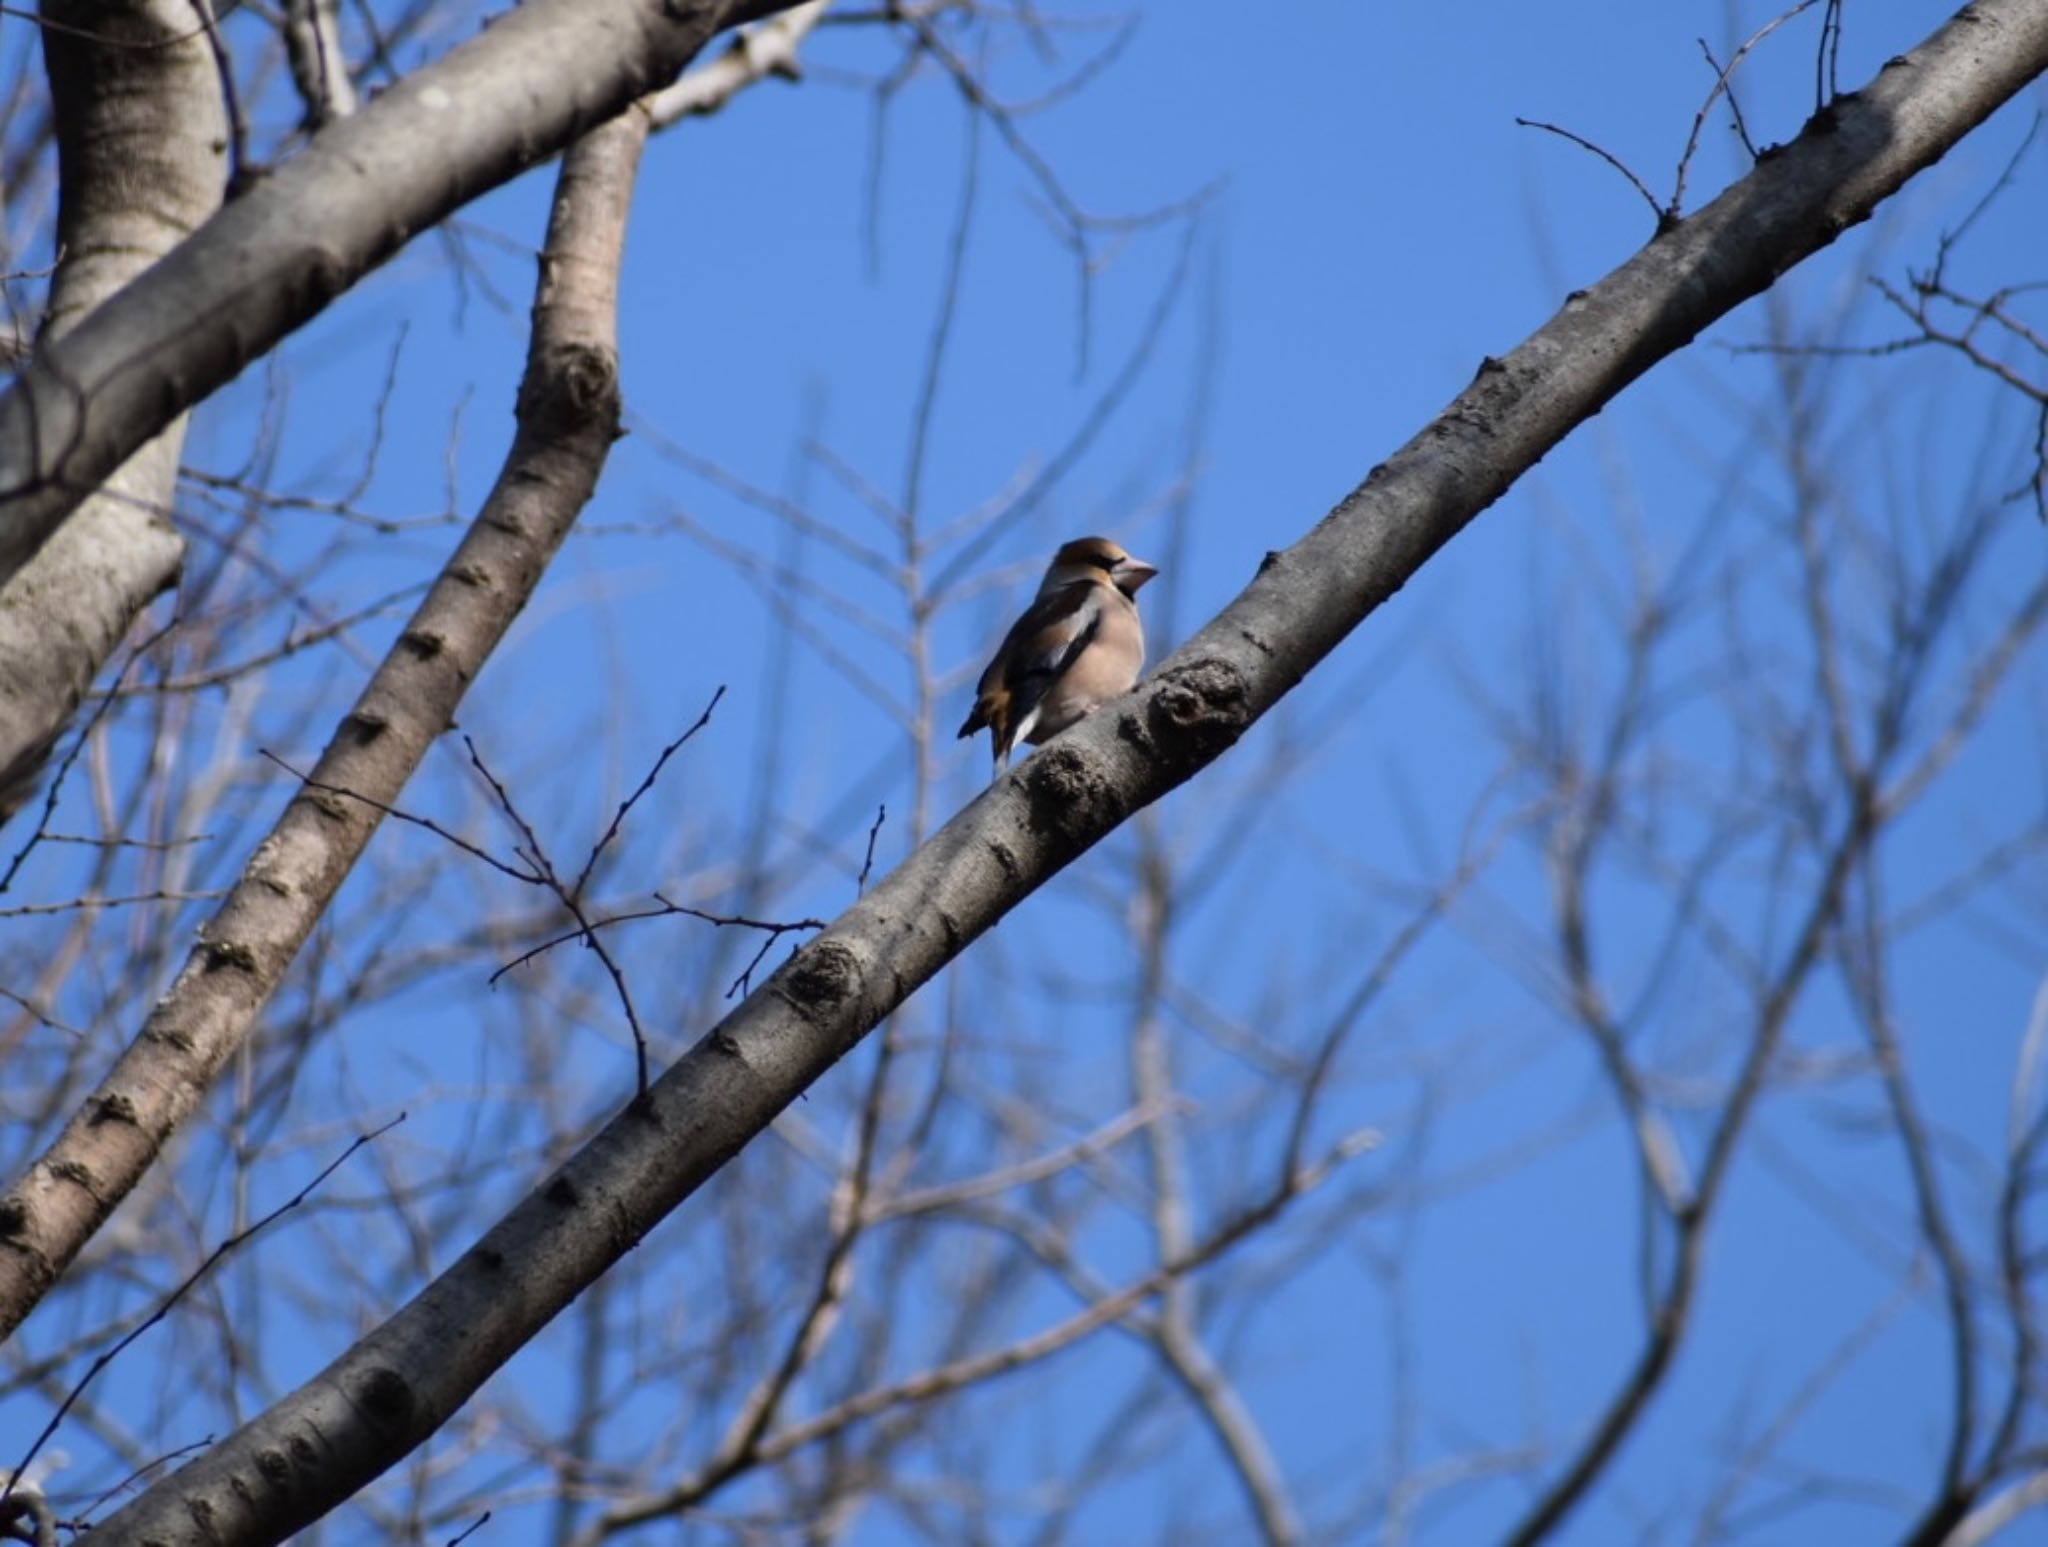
pixel 1077 645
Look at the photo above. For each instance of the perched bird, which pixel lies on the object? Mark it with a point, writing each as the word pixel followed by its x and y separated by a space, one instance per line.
pixel 1078 645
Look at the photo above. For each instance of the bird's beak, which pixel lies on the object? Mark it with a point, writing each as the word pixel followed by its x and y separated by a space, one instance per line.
pixel 1131 574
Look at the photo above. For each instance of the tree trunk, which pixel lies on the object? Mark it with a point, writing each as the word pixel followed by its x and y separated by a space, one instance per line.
pixel 141 147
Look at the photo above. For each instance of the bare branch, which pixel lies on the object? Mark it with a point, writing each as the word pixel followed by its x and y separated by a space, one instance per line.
pixel 568 413
pixel 138 100
pixel 312 227
pixel 1662 216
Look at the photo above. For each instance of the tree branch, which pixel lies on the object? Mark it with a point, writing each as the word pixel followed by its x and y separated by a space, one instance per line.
pixel 504 101
pixel 140 131
pixel 568 418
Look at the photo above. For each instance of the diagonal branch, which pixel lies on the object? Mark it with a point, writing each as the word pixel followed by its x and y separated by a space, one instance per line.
pixel 505 100
pixel 568 416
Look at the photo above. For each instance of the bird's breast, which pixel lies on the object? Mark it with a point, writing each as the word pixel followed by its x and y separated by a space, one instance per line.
pixel 1106 669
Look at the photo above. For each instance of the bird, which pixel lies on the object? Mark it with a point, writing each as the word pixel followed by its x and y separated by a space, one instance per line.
pixel 1078 645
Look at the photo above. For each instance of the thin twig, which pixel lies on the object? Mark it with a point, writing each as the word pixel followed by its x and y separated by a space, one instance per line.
pixel 1721 84
pixel 1827 59
pixel 667 909
pixel 546 876
pixel 78 745
pixel 240 171
pixel 473 850
pixel 170 1301
pixel 867 865
pixel 646 784
pixel 1657 210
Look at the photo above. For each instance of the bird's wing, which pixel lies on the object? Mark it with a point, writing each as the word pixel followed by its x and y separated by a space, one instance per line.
pixel 1039 646
pixel 1055 630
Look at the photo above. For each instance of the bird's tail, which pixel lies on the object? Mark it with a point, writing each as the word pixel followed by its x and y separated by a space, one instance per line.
pixel 991 712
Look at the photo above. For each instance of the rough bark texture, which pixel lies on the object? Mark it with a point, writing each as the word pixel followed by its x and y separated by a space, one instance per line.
pixel 568 419
pixel 507 99
pixel 392 1389
pixel 141 143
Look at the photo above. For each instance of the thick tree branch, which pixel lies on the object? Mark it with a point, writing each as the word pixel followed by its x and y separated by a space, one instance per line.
pixel 568 418
pixel 506 100
pixel 397 1385
pixel 140 132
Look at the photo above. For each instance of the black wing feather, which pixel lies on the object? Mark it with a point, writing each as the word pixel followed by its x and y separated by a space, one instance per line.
pixel 1018 678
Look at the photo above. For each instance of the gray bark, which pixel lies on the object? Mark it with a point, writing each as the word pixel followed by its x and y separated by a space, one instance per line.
pixel 57 1205
pixel 312 47
pixel 506 100
pixel 391 1390
pixel 568 419
pixel 141 142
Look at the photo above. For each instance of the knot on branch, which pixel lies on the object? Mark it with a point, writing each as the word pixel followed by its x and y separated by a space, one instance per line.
pixel 222 955
pixel 318 278
pixel 386 1395
pixel 1196 711
pixel 1071 796
pixel 821 981
pixel 571 389
pixel 25 1515
pixel 114 1107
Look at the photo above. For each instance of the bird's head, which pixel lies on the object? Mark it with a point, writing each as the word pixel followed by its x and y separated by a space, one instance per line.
pixel 1096 558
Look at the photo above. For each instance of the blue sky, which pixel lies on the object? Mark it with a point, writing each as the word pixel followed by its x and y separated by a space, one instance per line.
pixel 1376 224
